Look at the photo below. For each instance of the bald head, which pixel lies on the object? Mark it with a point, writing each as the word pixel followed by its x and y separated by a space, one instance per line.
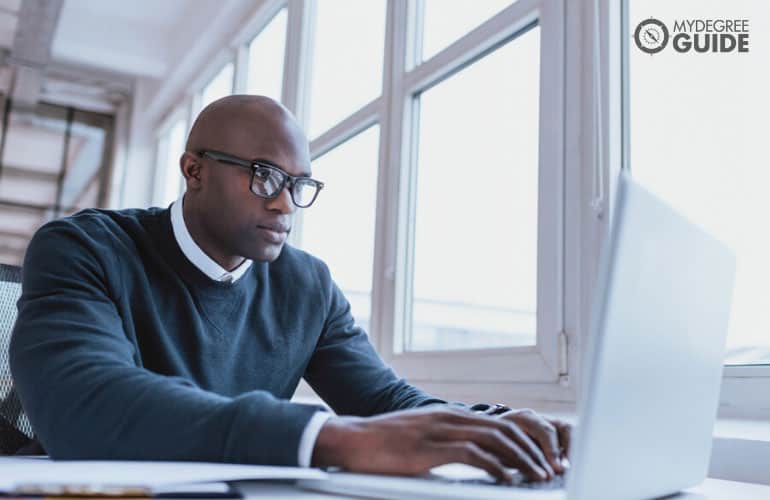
pixel 256 122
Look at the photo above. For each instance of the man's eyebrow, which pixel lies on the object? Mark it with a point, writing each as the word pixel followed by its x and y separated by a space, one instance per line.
pixel 273 164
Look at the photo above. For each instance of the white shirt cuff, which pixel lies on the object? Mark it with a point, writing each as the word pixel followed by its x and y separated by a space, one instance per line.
pixel 309 436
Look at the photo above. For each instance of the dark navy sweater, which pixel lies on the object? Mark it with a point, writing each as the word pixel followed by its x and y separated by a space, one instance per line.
pixel 123 349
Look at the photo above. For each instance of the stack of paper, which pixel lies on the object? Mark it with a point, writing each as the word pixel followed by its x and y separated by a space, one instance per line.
pixel 26 476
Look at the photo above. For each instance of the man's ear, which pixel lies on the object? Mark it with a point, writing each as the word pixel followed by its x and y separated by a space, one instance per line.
pixel 191 167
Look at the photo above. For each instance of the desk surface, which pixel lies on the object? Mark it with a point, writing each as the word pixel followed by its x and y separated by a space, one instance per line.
pixel 711 489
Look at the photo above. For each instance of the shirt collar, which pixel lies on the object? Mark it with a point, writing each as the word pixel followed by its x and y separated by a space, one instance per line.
pixel 193 252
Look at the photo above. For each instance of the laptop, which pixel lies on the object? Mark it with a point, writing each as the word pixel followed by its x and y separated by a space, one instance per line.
pixel 652 370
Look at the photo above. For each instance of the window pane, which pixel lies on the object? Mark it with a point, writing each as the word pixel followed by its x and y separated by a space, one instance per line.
pixel 266 58
pixel 174 148
pixel 219 86
pixel 338 227
pixel 447 20
pixel 701 143
pixel 347 60
pixel 475 264
pixel 86 159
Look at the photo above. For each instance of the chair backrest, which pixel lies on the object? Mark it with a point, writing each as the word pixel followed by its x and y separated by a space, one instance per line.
pixel 15 429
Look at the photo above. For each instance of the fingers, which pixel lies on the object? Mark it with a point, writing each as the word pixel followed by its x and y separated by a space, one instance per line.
pixel 513 433
pixel 471 454
pixel 565 437
pixel 495 441
pixel 544 433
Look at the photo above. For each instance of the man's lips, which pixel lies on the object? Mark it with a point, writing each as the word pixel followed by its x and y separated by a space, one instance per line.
pixel 274 233
pixel 278 228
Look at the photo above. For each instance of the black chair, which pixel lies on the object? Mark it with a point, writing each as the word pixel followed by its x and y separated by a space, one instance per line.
pixel 15 429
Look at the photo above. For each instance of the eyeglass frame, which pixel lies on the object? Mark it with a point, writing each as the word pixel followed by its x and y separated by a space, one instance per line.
pixel 288 179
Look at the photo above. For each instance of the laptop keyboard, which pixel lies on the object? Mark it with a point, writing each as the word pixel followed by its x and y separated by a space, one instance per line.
pixel 518 482
pixel 556 483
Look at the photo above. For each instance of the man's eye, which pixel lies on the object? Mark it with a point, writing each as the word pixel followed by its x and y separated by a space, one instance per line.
pixel 262 173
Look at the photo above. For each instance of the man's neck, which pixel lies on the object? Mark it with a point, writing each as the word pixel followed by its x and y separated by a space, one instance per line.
pixel 204 241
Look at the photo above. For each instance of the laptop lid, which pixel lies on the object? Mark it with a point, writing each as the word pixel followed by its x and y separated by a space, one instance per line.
pixel 654 357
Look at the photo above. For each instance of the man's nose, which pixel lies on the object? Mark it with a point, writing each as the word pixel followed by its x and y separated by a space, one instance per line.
pixel 282 202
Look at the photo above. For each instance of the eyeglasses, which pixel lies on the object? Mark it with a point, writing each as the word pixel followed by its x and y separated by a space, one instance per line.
pixel 267 181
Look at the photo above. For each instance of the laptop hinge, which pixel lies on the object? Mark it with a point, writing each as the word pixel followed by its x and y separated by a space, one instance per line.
pixel 563 368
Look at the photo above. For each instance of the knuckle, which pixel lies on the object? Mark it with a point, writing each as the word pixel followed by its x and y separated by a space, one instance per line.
pixel 497 435
pixel 514 428
pixel 470 450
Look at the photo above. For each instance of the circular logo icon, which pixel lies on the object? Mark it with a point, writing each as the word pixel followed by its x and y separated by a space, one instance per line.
pixel 651 36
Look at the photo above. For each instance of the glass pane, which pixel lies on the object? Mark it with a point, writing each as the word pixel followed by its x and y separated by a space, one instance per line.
pixel 701 144
pixel 475 263
pixel 266 58
pixel 174 148
pixel 447 20
pixel 347 60
pixel 86 157
pixel 219 86
pixel 349 173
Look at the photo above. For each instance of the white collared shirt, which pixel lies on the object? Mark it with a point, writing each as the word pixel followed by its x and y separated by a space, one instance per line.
pixel 198 257
pixel 213 270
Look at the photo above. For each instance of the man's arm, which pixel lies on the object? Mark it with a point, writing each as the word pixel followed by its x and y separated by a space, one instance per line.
pixel 86 395
pixel 347 372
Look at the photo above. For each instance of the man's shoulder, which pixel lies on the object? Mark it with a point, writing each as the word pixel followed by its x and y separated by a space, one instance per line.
pixel 95 227
pixel 101 220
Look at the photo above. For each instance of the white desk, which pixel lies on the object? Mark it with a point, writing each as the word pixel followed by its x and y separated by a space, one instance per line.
pixel 711 489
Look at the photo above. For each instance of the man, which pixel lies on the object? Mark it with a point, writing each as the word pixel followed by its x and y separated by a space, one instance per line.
pixel 180 334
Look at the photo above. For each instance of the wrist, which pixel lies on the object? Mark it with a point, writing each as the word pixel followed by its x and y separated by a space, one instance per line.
pixel 332 446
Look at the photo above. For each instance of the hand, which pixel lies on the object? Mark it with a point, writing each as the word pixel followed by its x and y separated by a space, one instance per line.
pixel 414 441
pixel 550 434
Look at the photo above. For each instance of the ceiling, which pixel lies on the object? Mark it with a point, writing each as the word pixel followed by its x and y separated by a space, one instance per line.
pixel 85 54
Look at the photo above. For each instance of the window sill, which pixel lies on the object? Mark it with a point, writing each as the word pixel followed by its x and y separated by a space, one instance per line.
pixel 741 450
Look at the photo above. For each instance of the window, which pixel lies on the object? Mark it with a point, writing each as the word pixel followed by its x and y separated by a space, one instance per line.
pixel 341 236
pixel 476 291
pixel 475 264
pixel 447 20
pixel 701 144
pixel 170 148
pixel 266 58
pixel 347 59
pixel 219 86
pixel 84 173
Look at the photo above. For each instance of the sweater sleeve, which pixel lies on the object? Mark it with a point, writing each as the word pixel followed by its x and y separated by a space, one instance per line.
pixel 347 372
pixel 86 394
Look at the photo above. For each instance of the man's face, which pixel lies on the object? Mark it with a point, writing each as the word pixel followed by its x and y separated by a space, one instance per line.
pixel 242 223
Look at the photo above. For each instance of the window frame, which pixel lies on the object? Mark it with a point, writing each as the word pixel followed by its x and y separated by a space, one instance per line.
pixel 542 364
pixel 248 34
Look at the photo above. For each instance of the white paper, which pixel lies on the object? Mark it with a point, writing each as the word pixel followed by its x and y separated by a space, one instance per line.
pixel 15 472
